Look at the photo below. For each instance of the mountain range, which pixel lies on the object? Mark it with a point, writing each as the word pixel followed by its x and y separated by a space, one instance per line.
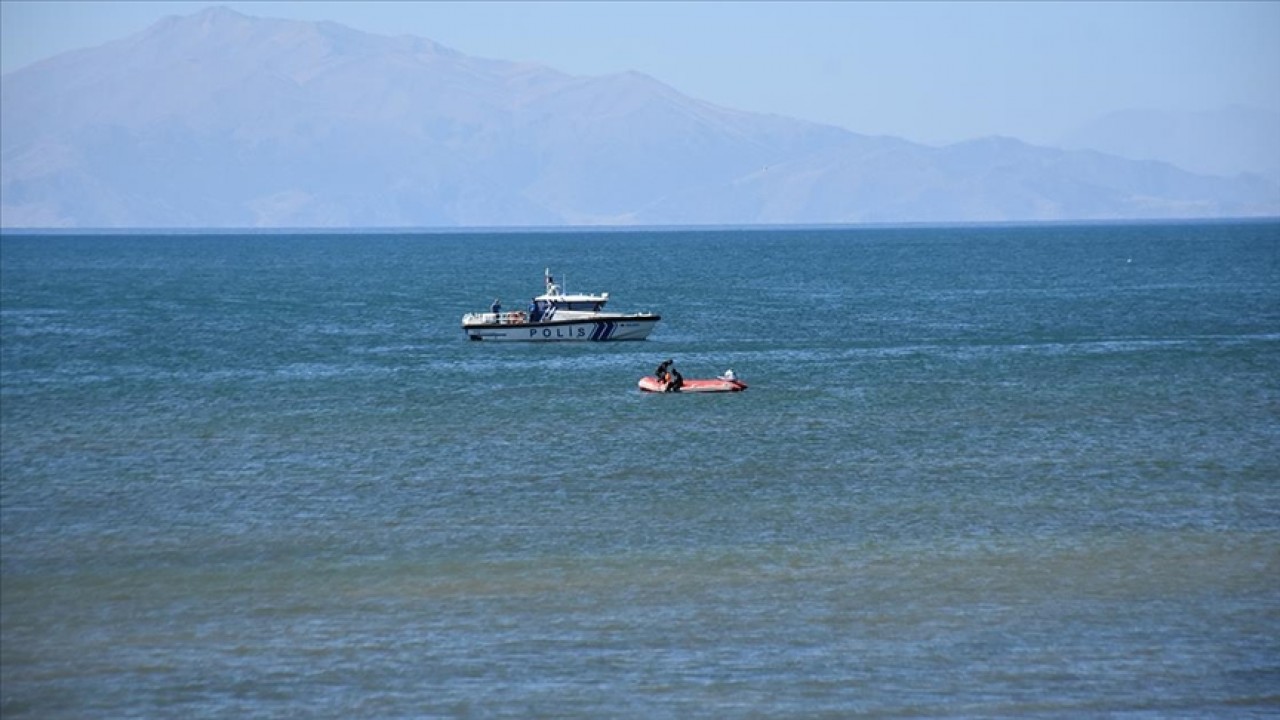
pixel 220 120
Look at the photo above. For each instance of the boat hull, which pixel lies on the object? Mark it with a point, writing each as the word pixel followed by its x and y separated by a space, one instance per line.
pixel 650 383
pixel 597 330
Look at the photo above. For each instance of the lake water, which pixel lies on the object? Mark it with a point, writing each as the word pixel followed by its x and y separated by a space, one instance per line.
pixel 1001 471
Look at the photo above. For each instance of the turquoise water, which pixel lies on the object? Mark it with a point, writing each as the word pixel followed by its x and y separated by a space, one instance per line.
pixel 980 472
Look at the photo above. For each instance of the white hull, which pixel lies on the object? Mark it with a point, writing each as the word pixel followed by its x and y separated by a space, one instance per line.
pixel 621 327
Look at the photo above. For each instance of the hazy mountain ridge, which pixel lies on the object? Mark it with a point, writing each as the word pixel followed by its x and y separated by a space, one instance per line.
pixel 1227 141
pixel 222 120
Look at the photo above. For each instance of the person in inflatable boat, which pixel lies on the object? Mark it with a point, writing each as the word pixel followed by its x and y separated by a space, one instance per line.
pixel 661 372
pixel 671 378
pixel 674 380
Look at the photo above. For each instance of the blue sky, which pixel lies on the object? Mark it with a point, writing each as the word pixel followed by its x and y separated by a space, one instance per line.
pixel 930 72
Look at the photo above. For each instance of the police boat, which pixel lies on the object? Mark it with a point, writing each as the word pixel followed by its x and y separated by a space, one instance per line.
pixel 556 315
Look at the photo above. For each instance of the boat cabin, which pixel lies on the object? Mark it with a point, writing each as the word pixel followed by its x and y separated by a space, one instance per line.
pixel 554 301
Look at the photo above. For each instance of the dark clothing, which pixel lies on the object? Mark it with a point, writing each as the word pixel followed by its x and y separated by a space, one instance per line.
pixel 661 372
pixel 677 381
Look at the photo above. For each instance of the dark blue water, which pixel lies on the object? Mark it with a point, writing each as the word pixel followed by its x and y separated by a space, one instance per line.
pixel 979 472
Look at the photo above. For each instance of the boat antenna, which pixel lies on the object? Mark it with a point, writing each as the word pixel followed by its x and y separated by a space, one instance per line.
pixel 551 282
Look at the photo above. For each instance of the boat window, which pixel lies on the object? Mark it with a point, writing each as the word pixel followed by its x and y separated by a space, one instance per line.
pixel 581 305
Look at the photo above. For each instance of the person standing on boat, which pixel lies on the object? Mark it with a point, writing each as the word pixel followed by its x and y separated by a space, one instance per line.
pixel 496 309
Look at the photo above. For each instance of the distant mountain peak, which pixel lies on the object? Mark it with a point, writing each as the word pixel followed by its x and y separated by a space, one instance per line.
pixel 218 14
pixel 207 20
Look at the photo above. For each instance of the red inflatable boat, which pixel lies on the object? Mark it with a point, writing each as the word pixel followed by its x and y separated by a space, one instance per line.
pixel 650 383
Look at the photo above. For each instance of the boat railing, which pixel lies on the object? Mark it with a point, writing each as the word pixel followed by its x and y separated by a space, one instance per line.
pixel 517 317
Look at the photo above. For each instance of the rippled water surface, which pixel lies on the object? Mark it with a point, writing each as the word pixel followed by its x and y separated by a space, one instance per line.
pixel 979 472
